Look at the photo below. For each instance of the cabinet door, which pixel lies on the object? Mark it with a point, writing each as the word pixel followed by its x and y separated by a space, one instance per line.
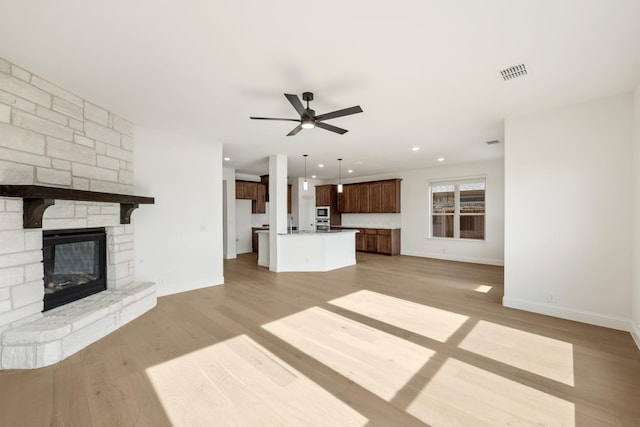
pixel 363 198
pixel 361 244
pixel 239 190
pixel 323 195
pixel 371 239
pixel 390 196
pixel 251 190
pixel 375 197
pixel 260 206
pixel 351 204
pixel 384 242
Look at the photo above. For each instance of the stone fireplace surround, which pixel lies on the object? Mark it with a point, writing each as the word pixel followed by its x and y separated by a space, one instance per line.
pixel 51 137
pixel 35 339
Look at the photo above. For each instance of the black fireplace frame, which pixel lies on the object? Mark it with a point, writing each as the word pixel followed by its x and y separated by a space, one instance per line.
pixel 50 238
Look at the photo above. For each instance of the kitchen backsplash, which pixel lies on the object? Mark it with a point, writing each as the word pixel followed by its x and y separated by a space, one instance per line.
pixel 372 220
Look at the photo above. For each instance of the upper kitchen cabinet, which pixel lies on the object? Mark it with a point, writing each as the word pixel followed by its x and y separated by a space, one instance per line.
pixel 364 205
pixel 390 196
pixel 371 197
pixel 289 186
pixel 326 195
pixel 260 204
pixel 247 190
pixel 375 197
pixel 351 198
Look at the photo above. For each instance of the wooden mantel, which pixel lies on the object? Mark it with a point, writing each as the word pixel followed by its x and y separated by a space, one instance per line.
pixel 37 198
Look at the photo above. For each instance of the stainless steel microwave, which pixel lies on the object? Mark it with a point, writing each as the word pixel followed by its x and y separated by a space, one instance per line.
pixel 323 212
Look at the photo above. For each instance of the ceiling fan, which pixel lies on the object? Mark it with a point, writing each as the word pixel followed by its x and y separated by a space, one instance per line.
pixel 308 118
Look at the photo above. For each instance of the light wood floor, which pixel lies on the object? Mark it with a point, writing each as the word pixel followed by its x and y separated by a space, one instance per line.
pixel 392 341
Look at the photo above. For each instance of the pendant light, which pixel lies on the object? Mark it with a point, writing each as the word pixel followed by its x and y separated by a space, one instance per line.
pixel 339 175
pixel 305 184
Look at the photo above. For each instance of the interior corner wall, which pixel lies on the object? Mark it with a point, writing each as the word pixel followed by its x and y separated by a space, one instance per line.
pixel 568 212
pixel 635 283
pixel 179 238
pixel 229 227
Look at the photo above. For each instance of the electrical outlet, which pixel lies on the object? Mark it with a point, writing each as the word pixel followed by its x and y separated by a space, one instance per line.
pixel 551 297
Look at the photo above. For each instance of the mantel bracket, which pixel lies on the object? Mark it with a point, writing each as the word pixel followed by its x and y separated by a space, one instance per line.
pixel 33 211
pixel 126 209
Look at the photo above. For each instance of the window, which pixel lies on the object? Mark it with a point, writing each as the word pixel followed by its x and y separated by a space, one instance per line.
pixel 458 209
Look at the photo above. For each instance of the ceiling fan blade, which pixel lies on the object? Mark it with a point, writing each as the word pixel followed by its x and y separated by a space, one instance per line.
pixel 297 104
pixel 339 113
pixel 271 118
pixel 327 126
pixel 295 130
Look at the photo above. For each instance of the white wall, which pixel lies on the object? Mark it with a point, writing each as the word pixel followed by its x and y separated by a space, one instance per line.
pixel 568 211
pixel 229 205
pixel 243 226
pixel 179 239
pixel 635 298
pixel 414 216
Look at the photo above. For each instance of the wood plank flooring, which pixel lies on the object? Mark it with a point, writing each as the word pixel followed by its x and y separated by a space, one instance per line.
pixel 391 341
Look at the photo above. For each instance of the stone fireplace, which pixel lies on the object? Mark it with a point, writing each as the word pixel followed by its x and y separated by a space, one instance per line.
pixel 51 137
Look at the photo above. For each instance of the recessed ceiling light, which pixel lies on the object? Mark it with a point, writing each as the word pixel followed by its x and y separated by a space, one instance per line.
pixel 226 159
pixel 350 171
pixel 313 176
pixel 320 165
pixel 441 159
pixel 416 148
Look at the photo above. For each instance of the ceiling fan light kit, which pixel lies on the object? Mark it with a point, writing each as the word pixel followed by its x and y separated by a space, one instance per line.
pixel 308 118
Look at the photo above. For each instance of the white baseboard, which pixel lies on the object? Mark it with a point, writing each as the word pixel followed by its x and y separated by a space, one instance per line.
pixel 450 257
pixel 635 333
pixel 554 310
pixel 176 288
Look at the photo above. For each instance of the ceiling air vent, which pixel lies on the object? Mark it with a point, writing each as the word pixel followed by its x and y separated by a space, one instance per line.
pixel 493 141
pixel 513 72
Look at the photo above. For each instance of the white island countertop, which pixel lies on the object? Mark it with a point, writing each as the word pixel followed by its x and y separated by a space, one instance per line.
pixel 310 250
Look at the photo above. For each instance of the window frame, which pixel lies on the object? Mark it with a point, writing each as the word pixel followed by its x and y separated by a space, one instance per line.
pixel 456 182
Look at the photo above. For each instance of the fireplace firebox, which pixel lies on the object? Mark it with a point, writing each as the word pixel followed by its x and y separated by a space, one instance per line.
pixel 74 265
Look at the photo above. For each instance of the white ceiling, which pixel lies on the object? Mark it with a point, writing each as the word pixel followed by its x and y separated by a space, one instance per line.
pixel 425 72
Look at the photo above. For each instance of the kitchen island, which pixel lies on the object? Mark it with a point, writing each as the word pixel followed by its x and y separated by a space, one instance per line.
pixel 310 251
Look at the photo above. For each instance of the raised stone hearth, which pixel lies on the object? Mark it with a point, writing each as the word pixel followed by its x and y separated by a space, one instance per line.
pixel 65 330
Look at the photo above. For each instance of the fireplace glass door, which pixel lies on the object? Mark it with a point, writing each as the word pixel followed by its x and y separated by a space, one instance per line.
pixel 74 265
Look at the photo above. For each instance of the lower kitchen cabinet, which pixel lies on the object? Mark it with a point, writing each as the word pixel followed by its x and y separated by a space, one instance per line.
pixel 378 240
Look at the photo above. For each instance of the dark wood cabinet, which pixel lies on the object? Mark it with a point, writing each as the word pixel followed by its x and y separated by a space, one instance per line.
pixel 326 195
pixel 371 197
pixel 260 204
pixel 371 240
pixel 378 240
pixel 351 198
pixel 247 190
pixel 390 196
pixel 363 198
pixel 361 242
pixel 258 192
pixel 375 197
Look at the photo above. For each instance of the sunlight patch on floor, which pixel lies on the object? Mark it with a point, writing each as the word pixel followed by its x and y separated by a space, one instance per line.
pixel 238 382
pixel 464 395
pixel 483 288
pixel 422 319
pixel 535 353
pixel 376 360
